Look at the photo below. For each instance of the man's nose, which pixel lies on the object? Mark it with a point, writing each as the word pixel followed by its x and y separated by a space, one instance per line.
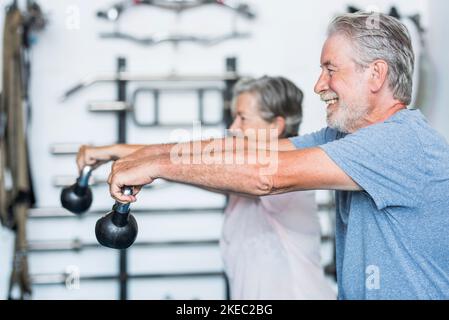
pixel 322 84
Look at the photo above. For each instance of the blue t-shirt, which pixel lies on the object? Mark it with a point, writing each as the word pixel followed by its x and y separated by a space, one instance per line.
pixel 392 238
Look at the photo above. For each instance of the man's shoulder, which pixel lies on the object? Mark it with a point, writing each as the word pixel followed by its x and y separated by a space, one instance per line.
pixel 411 126
pixel 405 134
pixel 402 125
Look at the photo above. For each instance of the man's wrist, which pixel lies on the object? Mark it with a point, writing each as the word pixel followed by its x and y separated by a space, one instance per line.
pixel 156 150
pixel 157 165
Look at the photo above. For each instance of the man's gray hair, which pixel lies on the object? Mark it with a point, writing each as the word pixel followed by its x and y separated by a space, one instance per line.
pixel 277 97
pixel 377 36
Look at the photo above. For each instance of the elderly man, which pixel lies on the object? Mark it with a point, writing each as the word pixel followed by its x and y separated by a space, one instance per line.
pixel 389 168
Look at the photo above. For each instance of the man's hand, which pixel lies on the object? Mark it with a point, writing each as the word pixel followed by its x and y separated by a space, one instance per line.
pixel 133 173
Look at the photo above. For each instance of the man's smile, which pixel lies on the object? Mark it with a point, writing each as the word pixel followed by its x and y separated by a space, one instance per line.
pixel 331 102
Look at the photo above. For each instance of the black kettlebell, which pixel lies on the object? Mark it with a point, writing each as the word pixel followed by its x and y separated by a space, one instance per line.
pixel 118 228
pixel 78 197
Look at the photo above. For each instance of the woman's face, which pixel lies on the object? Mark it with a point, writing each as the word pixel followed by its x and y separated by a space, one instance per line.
pixel 248 121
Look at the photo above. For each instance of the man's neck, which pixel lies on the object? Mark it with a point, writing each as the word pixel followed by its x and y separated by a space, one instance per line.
pixel 381 114
pixel 396 107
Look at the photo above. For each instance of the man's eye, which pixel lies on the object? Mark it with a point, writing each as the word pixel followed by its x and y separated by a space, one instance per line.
pixel 331 72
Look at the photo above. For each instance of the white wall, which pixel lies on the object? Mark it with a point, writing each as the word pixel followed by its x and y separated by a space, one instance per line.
pixel 287 39
pixel 436 89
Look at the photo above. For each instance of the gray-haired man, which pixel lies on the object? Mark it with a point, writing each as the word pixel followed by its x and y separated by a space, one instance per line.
pixel 390 169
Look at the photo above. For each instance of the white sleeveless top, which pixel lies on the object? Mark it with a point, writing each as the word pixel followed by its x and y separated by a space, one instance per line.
pixel 271 248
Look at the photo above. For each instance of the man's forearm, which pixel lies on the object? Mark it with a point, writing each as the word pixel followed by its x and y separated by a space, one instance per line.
pixel 232 176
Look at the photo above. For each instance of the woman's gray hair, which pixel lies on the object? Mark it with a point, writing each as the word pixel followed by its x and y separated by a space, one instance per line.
pixel 277 97
pixel 379 36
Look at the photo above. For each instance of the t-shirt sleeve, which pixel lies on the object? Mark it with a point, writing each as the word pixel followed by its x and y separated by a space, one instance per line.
pixel 314 139
pixel 384 160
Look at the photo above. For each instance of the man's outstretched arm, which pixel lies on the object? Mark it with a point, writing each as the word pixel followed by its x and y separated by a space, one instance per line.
pixel 285 171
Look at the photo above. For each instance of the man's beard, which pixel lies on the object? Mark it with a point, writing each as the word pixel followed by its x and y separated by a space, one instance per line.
pixel 346 118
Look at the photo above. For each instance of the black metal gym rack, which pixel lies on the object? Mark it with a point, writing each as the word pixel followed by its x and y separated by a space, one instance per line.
pixel 121 107
pixel 121 138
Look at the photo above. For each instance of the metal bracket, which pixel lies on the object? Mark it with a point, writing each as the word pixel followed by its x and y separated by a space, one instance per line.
pixel 108 106
pixel 175 39
pixel 155 92
pixel 64 148
pixel 114 12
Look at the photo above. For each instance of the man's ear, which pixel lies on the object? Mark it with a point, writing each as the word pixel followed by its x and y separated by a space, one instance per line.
pixel 279 123
pixel 379 74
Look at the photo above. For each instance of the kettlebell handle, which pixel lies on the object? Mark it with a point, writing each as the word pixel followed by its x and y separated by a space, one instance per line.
pixel 120 207
pixel 83 180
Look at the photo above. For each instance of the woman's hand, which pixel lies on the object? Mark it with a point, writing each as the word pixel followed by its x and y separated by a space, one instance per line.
pixel 95 156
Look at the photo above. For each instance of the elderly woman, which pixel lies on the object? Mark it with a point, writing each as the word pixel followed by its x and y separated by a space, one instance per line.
pixel 270 245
